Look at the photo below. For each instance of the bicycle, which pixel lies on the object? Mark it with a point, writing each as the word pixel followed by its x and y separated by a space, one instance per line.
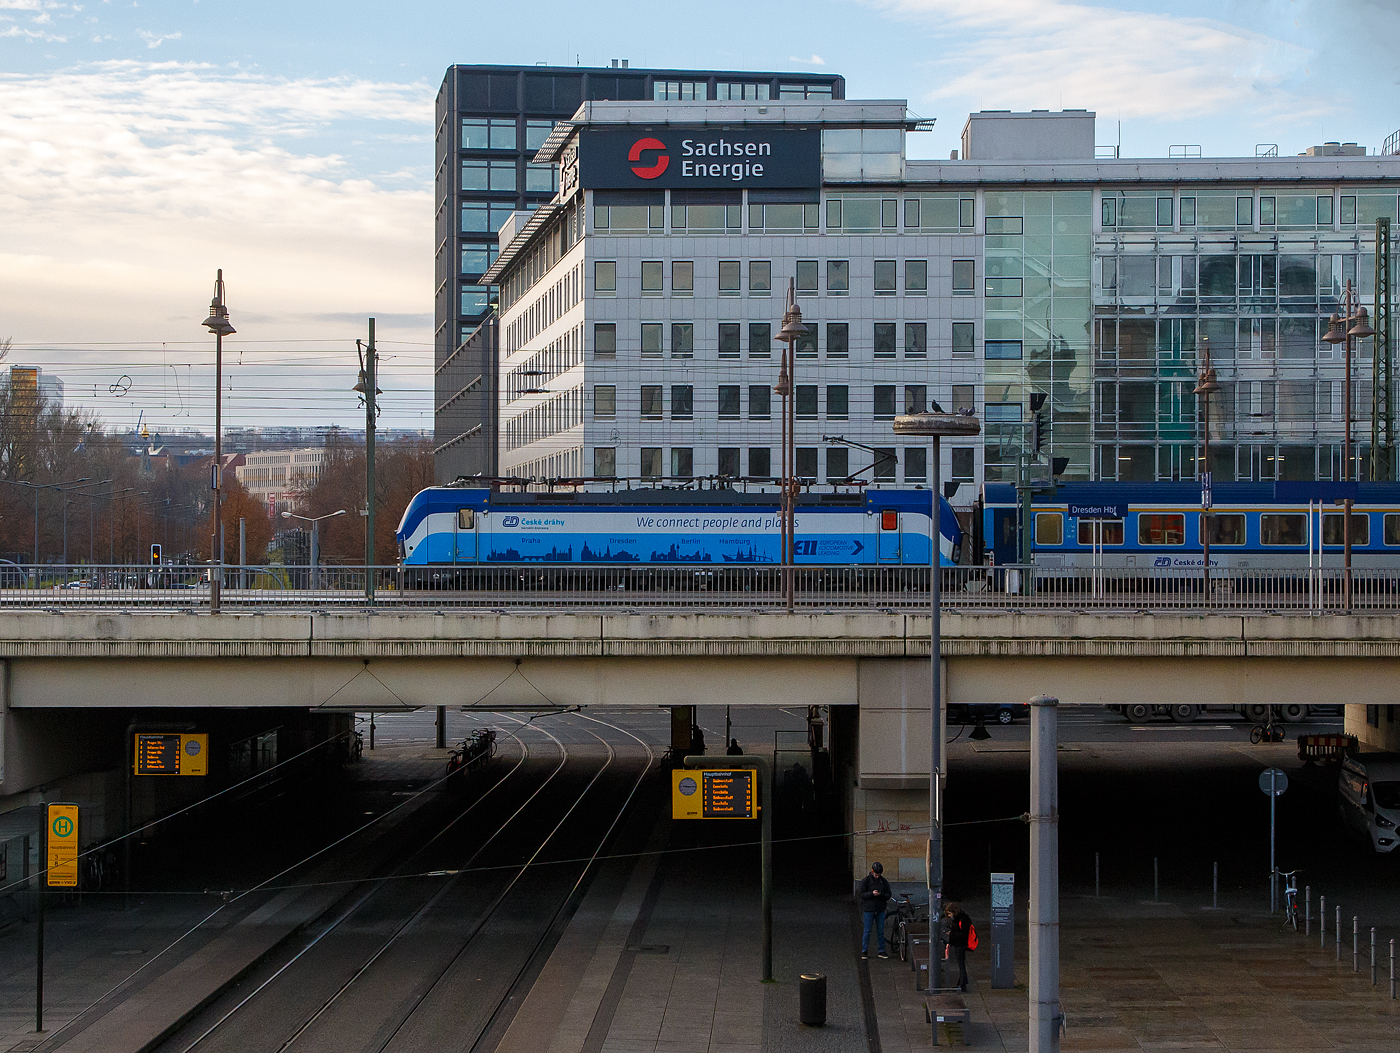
pixel 907 916
pixel 1290 897
pixel 1266 732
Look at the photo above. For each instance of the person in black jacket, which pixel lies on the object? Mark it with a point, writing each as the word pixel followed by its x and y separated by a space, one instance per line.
pixel 874 892
pixel 959 925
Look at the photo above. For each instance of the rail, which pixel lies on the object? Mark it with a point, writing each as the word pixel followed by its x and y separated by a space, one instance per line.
pixel 746 587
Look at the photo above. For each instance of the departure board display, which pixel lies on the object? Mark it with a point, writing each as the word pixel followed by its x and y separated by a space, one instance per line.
pixel 157 754
pixel 727 795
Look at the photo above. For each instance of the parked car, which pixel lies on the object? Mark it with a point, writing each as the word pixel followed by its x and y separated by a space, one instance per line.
pixel 1368 789
pixel 990 712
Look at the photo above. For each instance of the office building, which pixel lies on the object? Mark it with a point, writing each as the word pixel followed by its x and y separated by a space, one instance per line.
pixel 491 120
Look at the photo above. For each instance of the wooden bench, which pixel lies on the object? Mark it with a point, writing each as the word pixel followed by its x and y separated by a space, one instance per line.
pixel 948 1006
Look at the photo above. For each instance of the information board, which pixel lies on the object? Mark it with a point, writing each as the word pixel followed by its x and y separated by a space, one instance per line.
pixel 713 794
pixel 61 855
pixel 1003 931
pixel 171 754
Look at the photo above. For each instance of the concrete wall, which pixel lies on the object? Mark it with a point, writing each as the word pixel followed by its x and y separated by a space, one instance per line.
pixel 1383 735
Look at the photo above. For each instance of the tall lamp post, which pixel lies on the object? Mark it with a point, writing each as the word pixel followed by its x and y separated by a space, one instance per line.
pixel 934 426
pixel 218 324
pixel 1353 315
pixel 1206 386
pixel 791 330
pixel 368 388
pixel 315 522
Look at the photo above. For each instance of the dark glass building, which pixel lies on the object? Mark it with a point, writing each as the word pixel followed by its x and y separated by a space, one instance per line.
pixel 490 122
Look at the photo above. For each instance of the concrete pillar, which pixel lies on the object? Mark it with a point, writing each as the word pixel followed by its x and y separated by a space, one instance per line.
pixel 1045 878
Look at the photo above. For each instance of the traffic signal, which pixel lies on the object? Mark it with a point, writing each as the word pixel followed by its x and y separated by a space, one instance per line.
pixel 1039 428
pixel 155 555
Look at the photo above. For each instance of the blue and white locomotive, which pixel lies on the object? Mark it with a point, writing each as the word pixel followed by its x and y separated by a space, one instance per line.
pixel 465 526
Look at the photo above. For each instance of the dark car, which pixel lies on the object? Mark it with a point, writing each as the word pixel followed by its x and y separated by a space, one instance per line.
pixel 990 712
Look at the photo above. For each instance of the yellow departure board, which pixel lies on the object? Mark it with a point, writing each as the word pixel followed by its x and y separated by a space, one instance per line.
pixel 706 793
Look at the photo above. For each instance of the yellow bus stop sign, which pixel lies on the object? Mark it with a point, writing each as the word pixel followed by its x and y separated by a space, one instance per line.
pixel 61 869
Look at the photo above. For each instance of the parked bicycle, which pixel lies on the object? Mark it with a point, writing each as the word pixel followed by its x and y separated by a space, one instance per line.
pixel 1290 897
pixel 1266 732
pixel 473 754
pixel 909 918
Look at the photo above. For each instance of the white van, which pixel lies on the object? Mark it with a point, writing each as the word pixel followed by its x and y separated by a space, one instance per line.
pixel 1369 792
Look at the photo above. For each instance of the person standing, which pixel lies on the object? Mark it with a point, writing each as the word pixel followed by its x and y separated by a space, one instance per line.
pixel 959 928
pixel 874 892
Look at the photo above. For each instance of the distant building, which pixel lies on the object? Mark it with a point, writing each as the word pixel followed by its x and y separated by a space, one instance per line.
pixel 278 475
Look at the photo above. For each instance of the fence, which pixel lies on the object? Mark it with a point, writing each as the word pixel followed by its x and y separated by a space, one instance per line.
pixel 700 586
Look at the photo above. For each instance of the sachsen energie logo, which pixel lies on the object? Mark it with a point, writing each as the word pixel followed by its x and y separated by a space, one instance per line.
pixel 648 145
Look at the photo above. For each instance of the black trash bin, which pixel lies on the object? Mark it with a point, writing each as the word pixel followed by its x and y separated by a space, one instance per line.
pixel 811 996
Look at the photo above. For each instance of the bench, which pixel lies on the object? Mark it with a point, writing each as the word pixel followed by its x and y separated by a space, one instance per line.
pixel 949 1007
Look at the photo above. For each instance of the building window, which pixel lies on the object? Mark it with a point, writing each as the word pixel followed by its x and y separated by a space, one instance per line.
pixel 838 464
pixel 760 277
pixel 480 174
pixel 481 134
pixel 760 339
pixel 729 402
pixel 732 91
pixel 806 463
pixel 728 466
pixel 605 401
pixel 838 339
pixel 536 132
pixel 964 398
pixel 1244 211
pixel 651 400
pixel 651 277
pixel 541 179
pixel 804 91
pixel 964 277
pixel 838 401
pixel 682 462
pixel 916 277
pixel 680 90
pixel 651 339
pixel 884 278
pixel 884 339
pixel 805 401
pixel 477 259
pixel 651 462
pixel 604 339
pixel 1324 210
pixel 838 277
pixel 605 462
pixel 605 277
pixel 1003 286
pixel 1003 349
pixel 682 339
pixel 915 464
pixel 886 462
pixel 1266 211
pixel 806 277
pixel 780 216
pixel 474 301
pixel 728 339
pixel 484 217
pixel 729 277
pixel 1373 716
pixel 964 338
pixel 682 401
pixel 760 401
pixel 884 401
pixel 915 398
pixel 1164 212
pixel 805 346
pixel 760 462
pixel 964 463
pixel 915 339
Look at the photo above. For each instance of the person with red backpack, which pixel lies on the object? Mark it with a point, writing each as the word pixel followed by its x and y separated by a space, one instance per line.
pixel 962 937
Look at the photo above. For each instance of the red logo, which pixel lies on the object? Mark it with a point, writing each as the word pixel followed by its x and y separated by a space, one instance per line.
pixel 642 146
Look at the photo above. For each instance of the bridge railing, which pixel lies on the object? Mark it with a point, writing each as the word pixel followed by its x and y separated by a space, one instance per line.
pixel 699 586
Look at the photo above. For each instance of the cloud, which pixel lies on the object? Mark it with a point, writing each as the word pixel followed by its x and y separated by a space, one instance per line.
pixel 154 40
pixel 815 60
pixel 1034 53
pixel 33 34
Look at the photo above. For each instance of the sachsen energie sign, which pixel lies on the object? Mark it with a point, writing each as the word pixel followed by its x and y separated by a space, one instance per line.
pixel 699 158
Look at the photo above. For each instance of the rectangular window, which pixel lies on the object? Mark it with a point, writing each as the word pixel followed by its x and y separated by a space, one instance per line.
pixel 838 400
pixel 1109 213
pixel 728 278
pixel 1226 528
pixel 1102 531
pixel 604 401
pixel 838 464
pixel 916 277
pixel 884 339
pixel 682 462
pixel 1004 412
pixel 1392 529
pixel 1050 527
pixel 889 212
pixel 964 463
pixel 915 464
pixel 728 339
pixel 728 466
pixel 1188 212
pixel 1164 212
pixel 651 399
pixel 911 212
pixel 536 132
pixel 915 339
pixel 682 277
pixel 541 179
pixel 1003 349
pixel 604 340
pixel 1003 286
pixel 838 277
pixel 604 277
pixel 805 346
pixel 884 401
pixel 760 339
pixel 805 401
pixel 651 277
pixel 884 278
pixel 605 462
pixel 481 134
pixel 1278 529
pixel 760 462
pixel 1266 211
pixel 1324 210
pixel 1348 210
pixel 650 462
pixel 682 401
pixel 838 339
pixel 964 277
pixel 965 213
pixel 760 277
pixel 1333 530
pixel 729 402
pixel 886 462
pixel 915 398
pixel 806 277
pixel 760 401
pixel 1005 225
pixel 964 398
pixel 1244 211
pixel 964 338
pixel 806 463
pixel 682 339
pixel 1161 529
pixel 651 339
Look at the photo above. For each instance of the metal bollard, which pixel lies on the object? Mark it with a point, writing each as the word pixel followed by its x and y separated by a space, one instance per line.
pixel 1373 956
pixel 1322 923
pixel 1307 910
pixel 1355 957
pixel 1337 932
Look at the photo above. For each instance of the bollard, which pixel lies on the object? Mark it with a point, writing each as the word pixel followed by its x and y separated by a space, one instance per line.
pixel 1155 888
pixel 1392 968
pixel 1355 957
pixel 1307 910
pixel 1214 886
pixel 811 999
pixel 1322 923
pixel 1373 956
pixel 1337 931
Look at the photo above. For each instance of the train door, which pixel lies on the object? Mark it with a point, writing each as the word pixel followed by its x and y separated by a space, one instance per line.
pixel 465 536
pixel 1003 539
pixel 888 543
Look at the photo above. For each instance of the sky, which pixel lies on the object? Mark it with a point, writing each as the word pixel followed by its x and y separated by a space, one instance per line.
pixel 146 144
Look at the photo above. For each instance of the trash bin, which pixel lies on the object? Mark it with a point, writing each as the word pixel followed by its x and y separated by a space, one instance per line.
pixel 811 996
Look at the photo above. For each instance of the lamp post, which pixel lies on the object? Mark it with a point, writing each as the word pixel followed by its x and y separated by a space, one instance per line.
pixel 1206 386
pixel 935 426
pixel 103 482
pixel 368 388
pixel 791 330
pixel 36 487
pixel 218 324
pixel 315 522
pixel 1353 315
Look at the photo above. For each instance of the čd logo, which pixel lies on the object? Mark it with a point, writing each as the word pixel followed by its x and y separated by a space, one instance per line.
pixel 648 145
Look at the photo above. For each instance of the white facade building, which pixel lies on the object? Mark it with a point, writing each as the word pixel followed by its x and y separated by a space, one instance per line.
pixel 281 474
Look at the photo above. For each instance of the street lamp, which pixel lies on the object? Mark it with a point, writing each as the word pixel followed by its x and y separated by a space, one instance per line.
pixel 218 324
pixel 1206 386
pixel 103 482
pixel 788 334
pixel 36 487
pixel 935 426
pixel 1337 332
pixel 315 522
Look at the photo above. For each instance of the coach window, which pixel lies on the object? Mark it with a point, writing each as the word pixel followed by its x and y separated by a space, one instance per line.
pixel 1227 529
pixel 466 519
pixel 1277 529
pixel 1392 529
pixel 1332 528
pixel 1161 529
pixel 1049 528
pixel 1108 531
